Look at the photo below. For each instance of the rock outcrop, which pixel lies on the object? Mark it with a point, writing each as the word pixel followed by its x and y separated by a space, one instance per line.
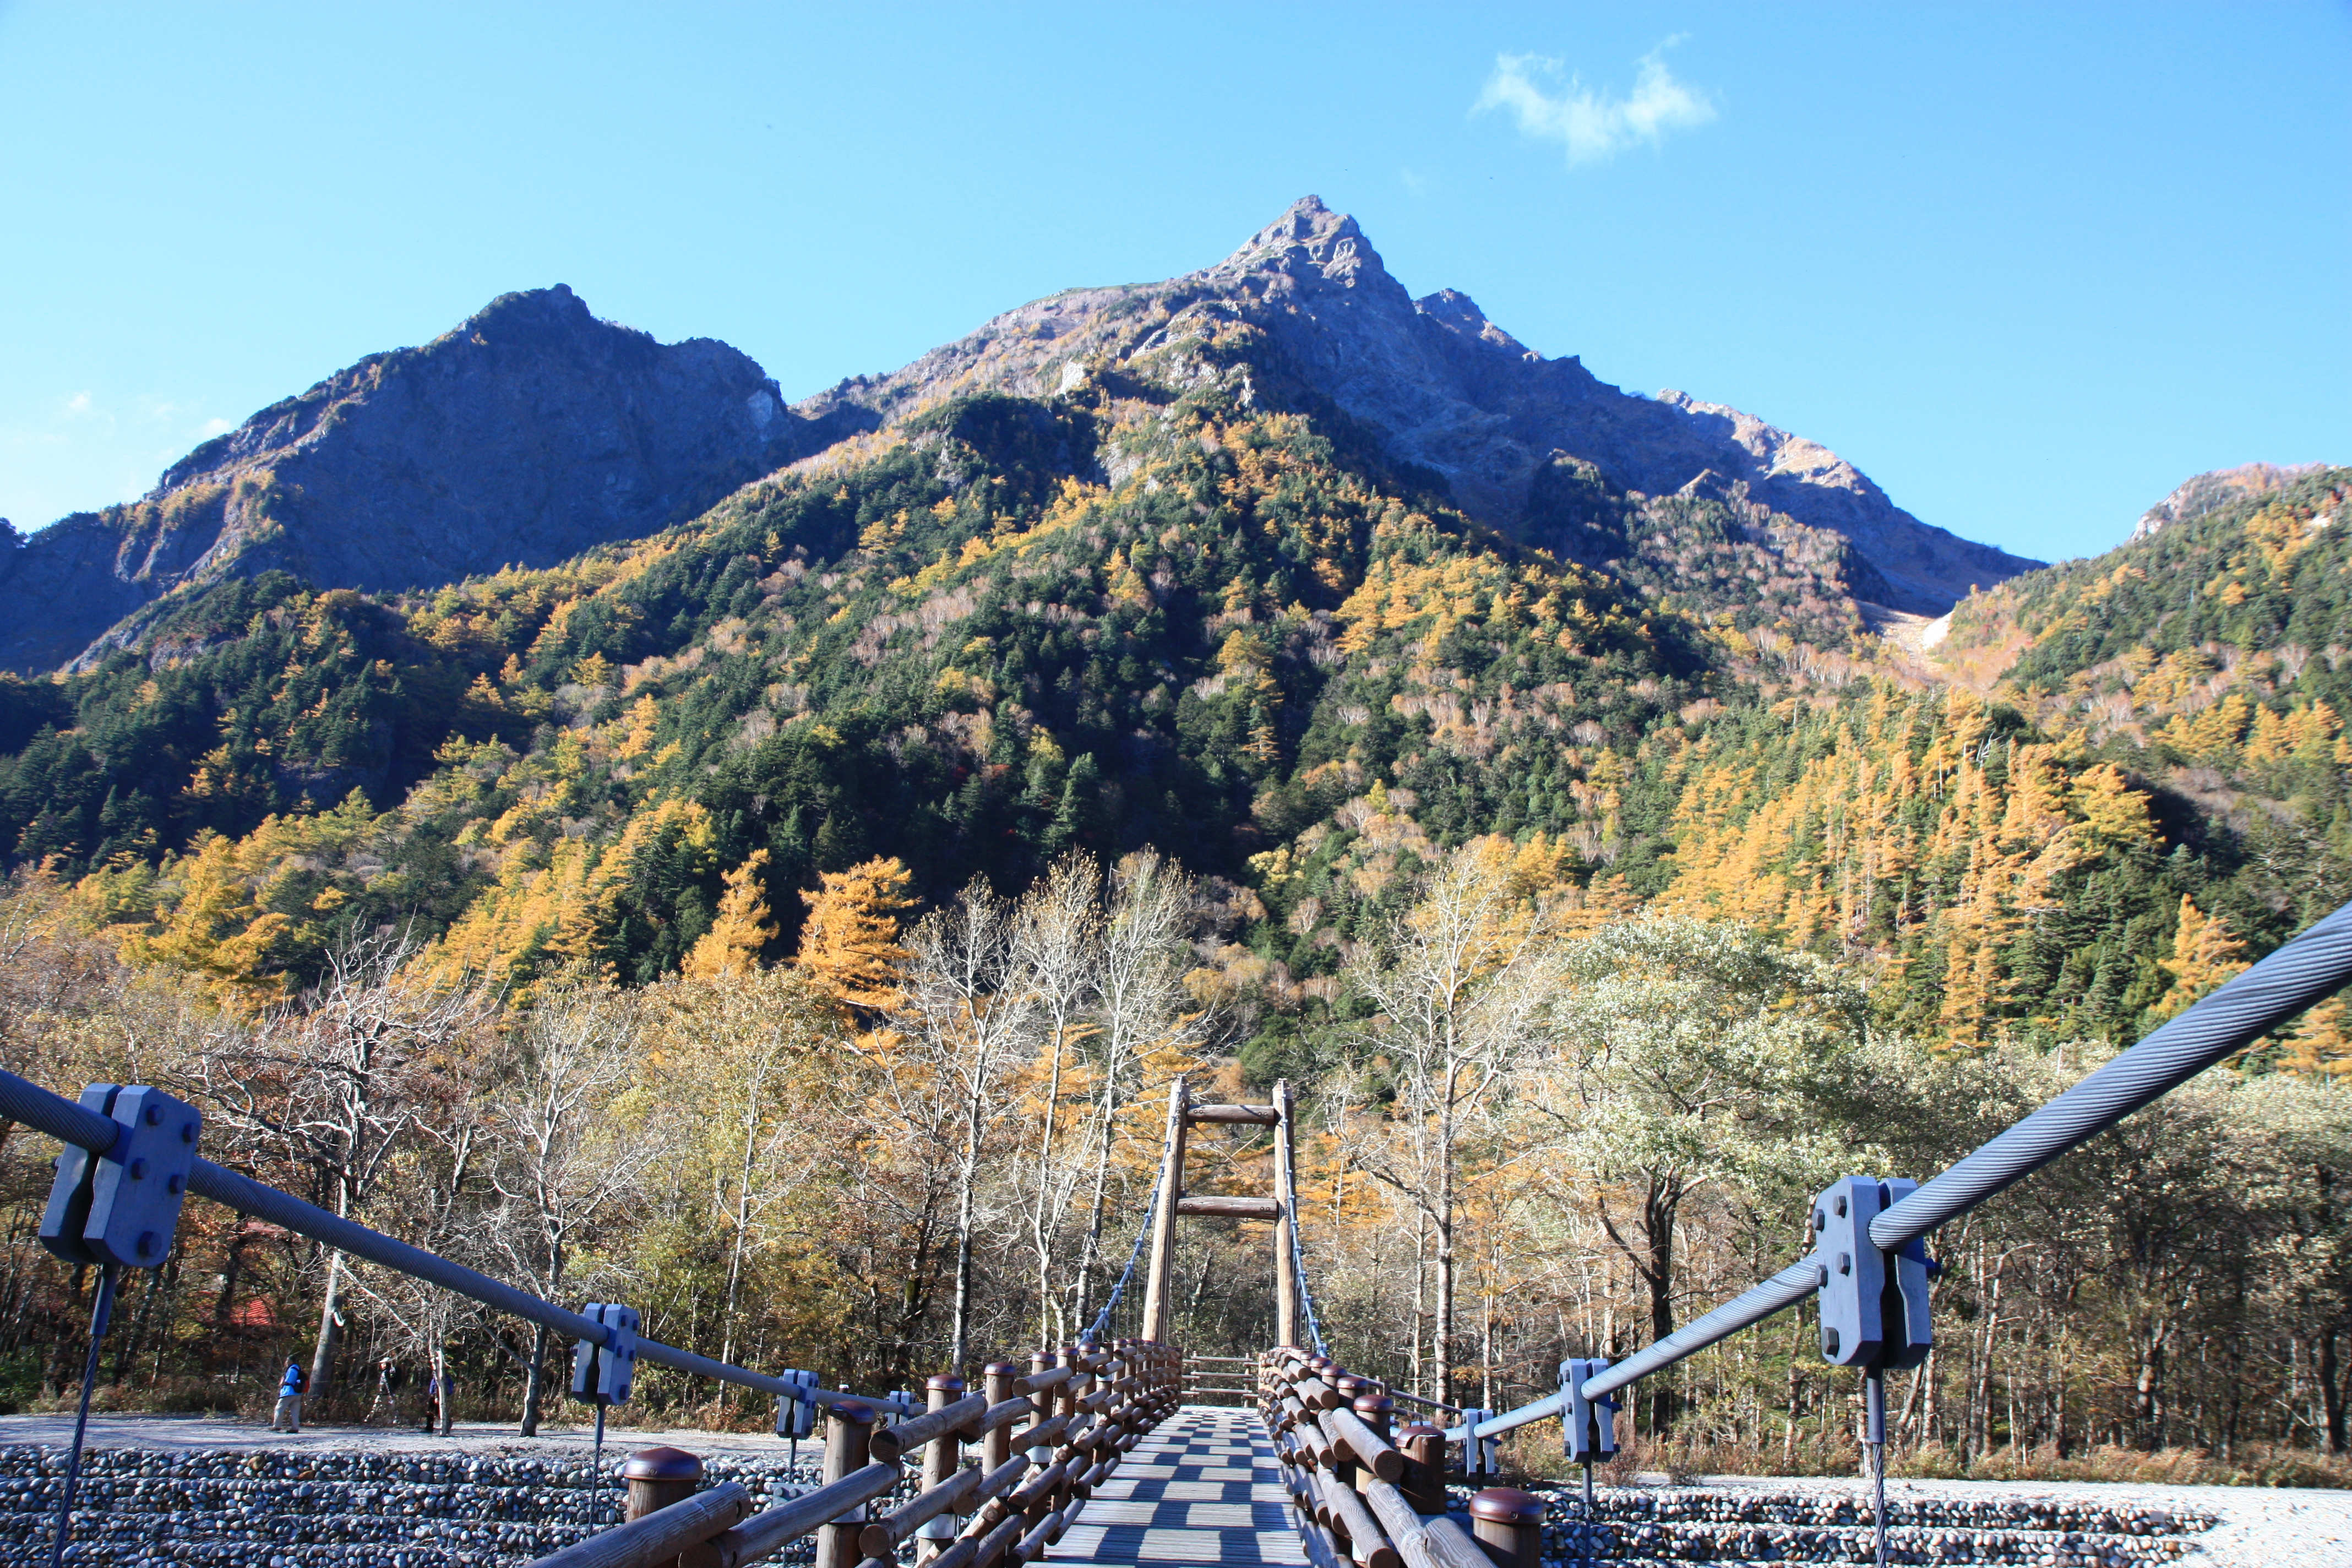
pixel 1308 315
pixel 2208 492
pixel 530 433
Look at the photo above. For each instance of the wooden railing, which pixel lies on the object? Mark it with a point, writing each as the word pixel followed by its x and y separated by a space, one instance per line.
pixel 1077 1410
pixel 1374 1496
pixel 1220 1379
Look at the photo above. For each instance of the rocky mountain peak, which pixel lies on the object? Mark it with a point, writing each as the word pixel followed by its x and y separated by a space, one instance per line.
pixel 530 431
pixel 1308 238
pixel 1443 386
pixel 529 312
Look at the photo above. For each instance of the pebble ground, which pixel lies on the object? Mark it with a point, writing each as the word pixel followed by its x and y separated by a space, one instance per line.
pixel 507 1495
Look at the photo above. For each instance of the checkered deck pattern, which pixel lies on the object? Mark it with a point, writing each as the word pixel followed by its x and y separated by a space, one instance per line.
pixel 1201 1488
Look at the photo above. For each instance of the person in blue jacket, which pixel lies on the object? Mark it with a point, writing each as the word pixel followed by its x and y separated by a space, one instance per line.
pixel 290 1397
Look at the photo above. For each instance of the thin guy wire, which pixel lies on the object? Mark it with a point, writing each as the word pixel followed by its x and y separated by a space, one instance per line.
pixel 100 1309
pixel 1142 1234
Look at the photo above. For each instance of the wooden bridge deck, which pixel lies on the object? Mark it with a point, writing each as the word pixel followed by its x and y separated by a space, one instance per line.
pixel 1203 1487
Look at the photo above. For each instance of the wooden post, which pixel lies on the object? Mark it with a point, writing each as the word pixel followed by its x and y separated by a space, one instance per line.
pixel 1047 1402
pixel 848 1437
pixel 1286 1193
pixel 1423 1447
pixel 998 1378
pixel 659 1478
pixel 1041 1455
pixel 941 1460
pixel 1509 1526
pixel 1163 1216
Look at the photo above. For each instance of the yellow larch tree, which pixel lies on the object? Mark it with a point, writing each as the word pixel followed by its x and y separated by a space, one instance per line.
pixel 2205 954
pixel 743 930
pixel 850 947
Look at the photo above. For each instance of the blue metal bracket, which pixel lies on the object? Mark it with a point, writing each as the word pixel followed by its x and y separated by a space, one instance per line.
pixel 123 1207
pixel 601 1374
pixel 796 1417
pixel 1590 1425
pixel 1873 1303
pixel 1480 1456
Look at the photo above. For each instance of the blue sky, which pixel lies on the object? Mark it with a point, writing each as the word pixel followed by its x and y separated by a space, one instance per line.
pixel 2028 267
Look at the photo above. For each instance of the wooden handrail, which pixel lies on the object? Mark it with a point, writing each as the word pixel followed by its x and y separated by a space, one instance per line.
pixel 1039 1381
pixel 1342 1507
pixel 1000 1415
pixel 892 1442
pixel 1434 1542
pixel 1093 1430
pixel 1380 1522
pixel 1369 1448
pixel 661 1535
pixel 880 1538
pixel 770 1532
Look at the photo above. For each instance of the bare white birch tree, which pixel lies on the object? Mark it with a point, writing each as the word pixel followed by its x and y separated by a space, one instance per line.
pixel 1459 982
pixel 338 1077
pixel 966 1014
pixel 1141 1006
pixel 1057 946
pixel 569 1152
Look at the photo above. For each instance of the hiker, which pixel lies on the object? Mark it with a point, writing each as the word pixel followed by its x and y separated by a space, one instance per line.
pixel 290 1397
pixel 437 1392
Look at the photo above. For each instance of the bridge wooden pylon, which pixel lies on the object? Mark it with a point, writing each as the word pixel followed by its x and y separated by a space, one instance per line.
pixel 1172 1202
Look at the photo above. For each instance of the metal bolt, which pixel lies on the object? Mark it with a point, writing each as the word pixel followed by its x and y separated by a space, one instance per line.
pixel 154 1116
pixel 1845 1262
pixel 1829 1342
pixel 173 1183
pixel 138 1170
pixel 146 1244
pixel 187 1131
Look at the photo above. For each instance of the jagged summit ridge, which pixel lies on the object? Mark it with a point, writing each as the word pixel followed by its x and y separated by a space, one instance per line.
pixel 533 431
pixel 1445 387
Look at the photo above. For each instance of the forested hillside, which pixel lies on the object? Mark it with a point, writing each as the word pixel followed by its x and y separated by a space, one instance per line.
pixel 1201 717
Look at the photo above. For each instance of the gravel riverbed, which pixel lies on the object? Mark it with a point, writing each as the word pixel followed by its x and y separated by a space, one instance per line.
pixel 215 1493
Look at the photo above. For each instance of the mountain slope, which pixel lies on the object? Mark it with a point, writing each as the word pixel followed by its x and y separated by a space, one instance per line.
pixel 1154 608
pixel 527 435
pixel 1264 649
pixel 1307 315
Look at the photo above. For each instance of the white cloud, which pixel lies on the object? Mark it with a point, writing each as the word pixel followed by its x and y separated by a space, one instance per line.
pixel 78 403
pixel 1593 125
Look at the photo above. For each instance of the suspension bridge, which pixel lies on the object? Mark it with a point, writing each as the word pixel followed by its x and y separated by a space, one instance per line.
pixel 1090 1452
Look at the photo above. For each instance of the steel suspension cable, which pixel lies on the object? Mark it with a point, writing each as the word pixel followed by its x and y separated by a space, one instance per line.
pixel 1305 1292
